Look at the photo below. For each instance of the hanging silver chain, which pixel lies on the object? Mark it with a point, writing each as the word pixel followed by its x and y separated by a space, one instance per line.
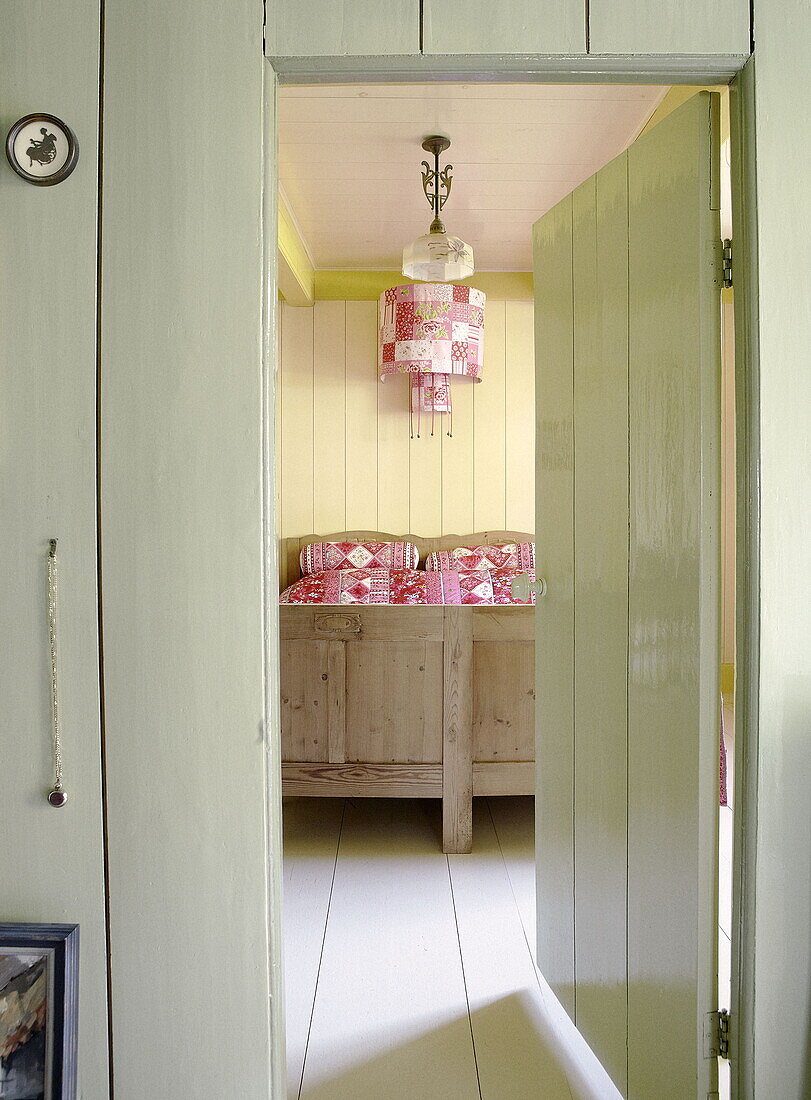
pixel 57 796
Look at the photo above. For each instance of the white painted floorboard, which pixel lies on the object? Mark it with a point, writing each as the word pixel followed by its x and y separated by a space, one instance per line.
pixel 725 838
pixel 390 1016
pixel 311 832
pixel 514 821
pixel 511 1055
pixel 427 987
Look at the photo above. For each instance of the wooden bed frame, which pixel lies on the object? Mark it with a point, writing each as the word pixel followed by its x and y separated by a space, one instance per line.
pixel 408 702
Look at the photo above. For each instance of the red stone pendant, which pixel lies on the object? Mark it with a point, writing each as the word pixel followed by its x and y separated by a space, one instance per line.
pixel 57 797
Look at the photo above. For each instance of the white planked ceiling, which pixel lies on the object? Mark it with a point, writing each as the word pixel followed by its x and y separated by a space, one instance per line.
pixel 350 160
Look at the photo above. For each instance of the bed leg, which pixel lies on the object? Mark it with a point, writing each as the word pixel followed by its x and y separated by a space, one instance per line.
pixel 457 825
pixel 457 739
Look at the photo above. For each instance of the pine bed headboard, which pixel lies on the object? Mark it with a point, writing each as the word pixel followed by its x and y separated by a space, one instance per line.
pixel 290 548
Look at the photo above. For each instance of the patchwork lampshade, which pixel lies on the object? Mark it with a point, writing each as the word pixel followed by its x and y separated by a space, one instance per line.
pixel 434 333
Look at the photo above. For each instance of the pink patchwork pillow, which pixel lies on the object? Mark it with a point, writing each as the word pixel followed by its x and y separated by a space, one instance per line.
pixel 319 556
pixel 509 555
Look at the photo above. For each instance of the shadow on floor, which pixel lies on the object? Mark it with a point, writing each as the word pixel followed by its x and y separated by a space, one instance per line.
pixel 530 1056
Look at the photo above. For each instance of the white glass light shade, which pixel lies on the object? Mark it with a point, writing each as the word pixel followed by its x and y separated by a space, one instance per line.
pixel 438 258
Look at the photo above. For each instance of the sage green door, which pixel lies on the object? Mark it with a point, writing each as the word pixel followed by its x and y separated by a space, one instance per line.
pixel 627 307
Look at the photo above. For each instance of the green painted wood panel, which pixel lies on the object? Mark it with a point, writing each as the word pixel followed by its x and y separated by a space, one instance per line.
pixel 342 28
pixel 629 27
pixel 51 861
pixel 600 261
pixel 674 598
pixel 511 26
pixel 182 542
pixel 632 771
pixel 777 124
pixel 554 649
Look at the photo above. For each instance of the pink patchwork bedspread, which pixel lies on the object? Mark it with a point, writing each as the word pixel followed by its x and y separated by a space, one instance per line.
pixel 406 586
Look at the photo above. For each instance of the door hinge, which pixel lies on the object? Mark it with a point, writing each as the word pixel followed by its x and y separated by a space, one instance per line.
pixel 727 262
pixel 716 1034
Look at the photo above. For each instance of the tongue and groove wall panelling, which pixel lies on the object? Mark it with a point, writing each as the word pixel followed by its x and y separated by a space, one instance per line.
pixel 361 416
pixel 489 425
pixel 329 414
pixel 424 467
pixel 358 28
pixel 182 540
pixel 51 860
pixel 649 27
pixel 781 961
pixel 511 26
pixel 458 490
pixel 296 395
pixel 342 28
pixel 347 459
pixel 520 417
pixel 393 453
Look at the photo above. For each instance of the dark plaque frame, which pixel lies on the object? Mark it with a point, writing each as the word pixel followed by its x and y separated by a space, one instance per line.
pixel 67 167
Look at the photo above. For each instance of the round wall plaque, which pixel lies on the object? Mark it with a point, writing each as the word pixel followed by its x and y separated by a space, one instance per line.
pixel 42 149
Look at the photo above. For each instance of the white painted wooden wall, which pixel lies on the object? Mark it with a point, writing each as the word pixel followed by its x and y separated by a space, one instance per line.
pixel 181 455
pixel 778 126
pixel 313 28
pixel 51 861
pixel 347 462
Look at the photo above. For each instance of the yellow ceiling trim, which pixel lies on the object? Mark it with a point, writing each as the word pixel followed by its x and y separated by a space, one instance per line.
pixel 295 275
pixel 367 286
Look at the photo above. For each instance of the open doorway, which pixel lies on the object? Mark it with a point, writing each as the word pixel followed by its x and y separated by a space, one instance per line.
pixel 404 963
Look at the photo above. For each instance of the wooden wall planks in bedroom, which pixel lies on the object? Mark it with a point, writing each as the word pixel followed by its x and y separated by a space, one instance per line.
pixel 297 417
pixel 347 460
pixel 490 425
pixel 361 416
pixel 329 413
pixel 519 414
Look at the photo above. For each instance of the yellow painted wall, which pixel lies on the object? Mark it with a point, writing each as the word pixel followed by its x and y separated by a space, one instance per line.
pixel 346 458
pixel 679 94
pixel 295 270
pixel 353 286
pixel 728 502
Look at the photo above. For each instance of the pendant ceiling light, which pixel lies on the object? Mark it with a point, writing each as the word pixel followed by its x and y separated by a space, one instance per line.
pixel 437 257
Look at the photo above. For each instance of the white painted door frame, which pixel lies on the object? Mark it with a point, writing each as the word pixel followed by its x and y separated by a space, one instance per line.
pixel 747 585
pixel 270 584
pixel 620 70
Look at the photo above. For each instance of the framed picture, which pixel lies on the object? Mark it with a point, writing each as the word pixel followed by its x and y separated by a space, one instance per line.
pixel 39 990
pixel 42 149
